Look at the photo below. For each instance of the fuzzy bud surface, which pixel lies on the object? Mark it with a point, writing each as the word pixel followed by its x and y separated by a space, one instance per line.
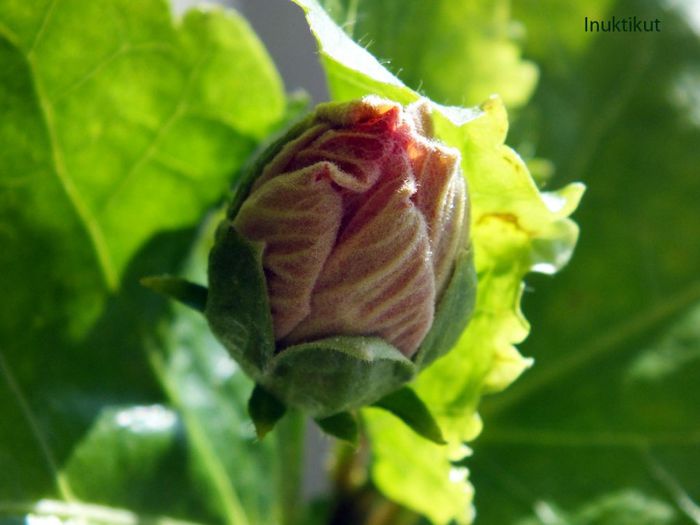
pixel 361 217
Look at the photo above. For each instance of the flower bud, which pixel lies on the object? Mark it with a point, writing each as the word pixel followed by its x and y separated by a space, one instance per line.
pixel 344 265
pixel 360 218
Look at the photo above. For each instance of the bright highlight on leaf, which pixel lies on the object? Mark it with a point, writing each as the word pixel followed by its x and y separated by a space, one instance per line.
pixel 455 52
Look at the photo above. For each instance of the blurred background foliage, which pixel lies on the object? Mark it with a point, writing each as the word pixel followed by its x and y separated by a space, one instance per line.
pixel 109 396
pixel 605 428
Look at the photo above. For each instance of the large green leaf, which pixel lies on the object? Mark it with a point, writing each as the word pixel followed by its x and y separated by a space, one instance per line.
pixel 515 229
pixel 454 52
pixel 119 128
pixel 612 406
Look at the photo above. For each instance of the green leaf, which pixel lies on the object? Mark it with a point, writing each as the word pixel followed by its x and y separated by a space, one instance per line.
pixel 237 308
pixel 122 460
pixel 621 508
pixel 612 404
pixel 457 302
pixel 456 53
pixel 416 472
pixel 351 71
pixel 670 354
pixel 120 127
pixel 265 410
pixel 189 294
pixel 515 229
pixel 342 425
pixel 553 29
pixel 408 407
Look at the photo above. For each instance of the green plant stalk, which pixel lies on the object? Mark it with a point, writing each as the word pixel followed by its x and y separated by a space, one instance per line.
pixel 289 434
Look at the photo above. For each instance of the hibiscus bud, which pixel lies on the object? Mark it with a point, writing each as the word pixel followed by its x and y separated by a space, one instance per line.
pixel 361 218
pixel 344 267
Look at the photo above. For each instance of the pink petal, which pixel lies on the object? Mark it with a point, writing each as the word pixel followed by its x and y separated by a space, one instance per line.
pixel 441 198
pixel 297 215
pixel 280 163
pixel 378 279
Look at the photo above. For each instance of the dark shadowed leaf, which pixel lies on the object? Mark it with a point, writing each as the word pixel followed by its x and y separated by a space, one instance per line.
pixel 265 410
pixel 608 418
pixel 189 294
pixel 408 407
pixel 342 425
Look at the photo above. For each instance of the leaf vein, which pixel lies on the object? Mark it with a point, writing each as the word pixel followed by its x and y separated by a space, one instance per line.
pixel 679 495
pixel 89 221
pixel 233 508
pixel 179 110
pixel 61 483
pixel 42 27
pixel 123 51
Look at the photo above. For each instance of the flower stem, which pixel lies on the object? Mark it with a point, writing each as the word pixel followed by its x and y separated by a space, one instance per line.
pixel 290 454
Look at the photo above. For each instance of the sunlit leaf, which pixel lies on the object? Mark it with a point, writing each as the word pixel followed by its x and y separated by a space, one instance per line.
pixel 454 52
pixel 119 128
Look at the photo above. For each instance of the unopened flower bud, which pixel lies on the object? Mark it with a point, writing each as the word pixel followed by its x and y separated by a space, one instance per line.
pixel 361 218
pixel 344 265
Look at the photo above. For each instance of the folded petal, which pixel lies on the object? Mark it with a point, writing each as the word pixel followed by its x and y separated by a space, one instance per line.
pixel 297 216
pixel 378 279
pixel 441 198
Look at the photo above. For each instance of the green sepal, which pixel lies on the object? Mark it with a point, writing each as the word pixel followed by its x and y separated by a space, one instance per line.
pixel 237 305
pixel 409 408
pixel 190 294
pixel 265 410
pixel 453 312
pixel 342 426
pixel 337 374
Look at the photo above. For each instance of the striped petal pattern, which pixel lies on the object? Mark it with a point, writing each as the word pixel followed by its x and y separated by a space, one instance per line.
pixel 361 218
